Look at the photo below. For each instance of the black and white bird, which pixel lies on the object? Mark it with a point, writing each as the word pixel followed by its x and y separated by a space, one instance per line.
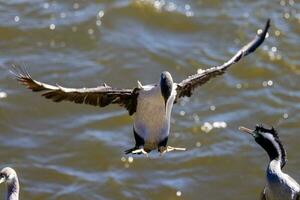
pixel 10 178
pixel 280 186
pixel 150 105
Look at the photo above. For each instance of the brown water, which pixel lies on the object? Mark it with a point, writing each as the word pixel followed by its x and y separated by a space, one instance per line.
pixel 69 151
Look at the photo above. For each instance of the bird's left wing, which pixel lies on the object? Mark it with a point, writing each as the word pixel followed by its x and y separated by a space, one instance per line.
pixel 186 87
pixel 99 96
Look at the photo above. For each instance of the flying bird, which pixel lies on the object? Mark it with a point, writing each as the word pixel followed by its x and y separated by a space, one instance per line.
pixel 10 178
pixel 150 105
pixel 280 186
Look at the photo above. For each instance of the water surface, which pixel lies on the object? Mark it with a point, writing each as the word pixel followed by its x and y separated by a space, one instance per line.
pixel 68 151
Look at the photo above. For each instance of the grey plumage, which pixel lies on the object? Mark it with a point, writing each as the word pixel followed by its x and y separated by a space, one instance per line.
pixel 150 105
pixel 10 178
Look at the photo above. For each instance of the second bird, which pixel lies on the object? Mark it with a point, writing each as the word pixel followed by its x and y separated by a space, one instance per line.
pixel 280 186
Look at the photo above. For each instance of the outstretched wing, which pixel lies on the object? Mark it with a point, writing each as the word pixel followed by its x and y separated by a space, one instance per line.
pixel 186 87
pixel 98 96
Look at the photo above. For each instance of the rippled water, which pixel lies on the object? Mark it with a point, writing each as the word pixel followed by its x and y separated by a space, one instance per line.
pixel 68 151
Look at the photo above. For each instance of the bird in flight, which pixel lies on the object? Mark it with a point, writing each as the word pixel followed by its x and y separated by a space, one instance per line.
pixel 149 105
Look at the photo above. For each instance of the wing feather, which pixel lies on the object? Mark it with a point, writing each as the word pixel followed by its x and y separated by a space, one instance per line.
pixel 98 96
pixel 186 87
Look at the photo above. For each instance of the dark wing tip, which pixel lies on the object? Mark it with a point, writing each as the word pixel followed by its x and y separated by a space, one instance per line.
pixel 23 77
pixel 18 71
pixel 267 26
pixel 259 39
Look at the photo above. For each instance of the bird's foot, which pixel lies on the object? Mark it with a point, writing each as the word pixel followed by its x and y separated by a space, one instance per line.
pixel 137 150
pixel 164 150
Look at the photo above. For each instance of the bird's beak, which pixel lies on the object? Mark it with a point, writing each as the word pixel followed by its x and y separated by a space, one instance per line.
pixel 246 130
pixel 2 179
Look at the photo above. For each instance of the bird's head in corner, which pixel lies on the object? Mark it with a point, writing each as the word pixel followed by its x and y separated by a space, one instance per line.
pixel 269 140
pixel 166 85
pixel 7 175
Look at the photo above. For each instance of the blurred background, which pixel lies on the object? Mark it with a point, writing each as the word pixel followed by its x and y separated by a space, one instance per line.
pixel 68 151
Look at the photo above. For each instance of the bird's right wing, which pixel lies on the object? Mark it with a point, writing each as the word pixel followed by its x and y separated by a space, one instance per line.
pixel 98 96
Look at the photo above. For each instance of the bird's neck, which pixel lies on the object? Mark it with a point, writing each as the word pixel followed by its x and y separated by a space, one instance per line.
pixel 13 190
pixel 275 152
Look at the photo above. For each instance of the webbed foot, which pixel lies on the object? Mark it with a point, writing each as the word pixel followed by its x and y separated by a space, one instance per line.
pixel 164 150
pixel 137 150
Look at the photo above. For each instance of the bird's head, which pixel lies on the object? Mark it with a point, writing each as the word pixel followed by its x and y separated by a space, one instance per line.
pixel 166 85
pixel 7 175
pixel 269 140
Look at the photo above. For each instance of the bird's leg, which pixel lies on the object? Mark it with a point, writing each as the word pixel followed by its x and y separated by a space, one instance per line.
pixel 139 145
pixel 164 150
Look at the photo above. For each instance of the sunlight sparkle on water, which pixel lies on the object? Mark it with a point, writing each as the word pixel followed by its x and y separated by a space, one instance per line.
pixel 98 22
pixel 207 127
pixel 267 83
pixel 277 33
pixel 286 15
pixel 238 86
pixel 52 26
pixel 212 108
pixel 274 49
pixel 182 112
pixel 291 2
pixel 3 95
pixel 178 193
pixel 171 7
pixel 270 83
pixel 91 31
pixel 17 18
pixel 130 159
pixel 101 13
